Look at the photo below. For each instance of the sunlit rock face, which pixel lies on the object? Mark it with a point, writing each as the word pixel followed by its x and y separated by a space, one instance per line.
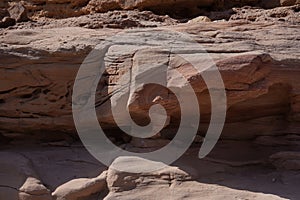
pixel 42 46
pixel 259 70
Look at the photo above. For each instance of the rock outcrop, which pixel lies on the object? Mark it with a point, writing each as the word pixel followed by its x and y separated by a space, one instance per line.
pixel 256 52
pixel 259 69
pixel 169 182
pixel 283 14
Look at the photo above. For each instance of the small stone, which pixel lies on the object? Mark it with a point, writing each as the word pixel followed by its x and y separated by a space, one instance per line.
pixel 19 12
pixel 199 19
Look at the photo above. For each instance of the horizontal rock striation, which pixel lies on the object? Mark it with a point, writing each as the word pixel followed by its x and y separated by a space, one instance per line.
pixel 256 52
pixel 259 63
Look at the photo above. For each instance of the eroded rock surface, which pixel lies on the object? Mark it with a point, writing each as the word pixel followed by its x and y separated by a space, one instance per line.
pixel 259 69
pixel 256 52
pixel 71 173
pixel 283 14
pixel 80 188
pixel 171 183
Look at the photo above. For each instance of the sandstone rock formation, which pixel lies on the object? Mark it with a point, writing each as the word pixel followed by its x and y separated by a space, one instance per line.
pixel 70 172
pixel 255 50
pixel 169 183
pixel 33 189
pixel 36 93
pixel 80 188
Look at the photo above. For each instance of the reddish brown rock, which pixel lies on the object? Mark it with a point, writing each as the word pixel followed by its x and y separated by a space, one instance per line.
pixel 36 90
pixel 256 52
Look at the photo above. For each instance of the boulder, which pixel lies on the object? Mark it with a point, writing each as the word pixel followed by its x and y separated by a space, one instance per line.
pixel 127 173
pixel 18 12
pixel 171 183
pixel 200 19
pixel 77 189
pixel 33 189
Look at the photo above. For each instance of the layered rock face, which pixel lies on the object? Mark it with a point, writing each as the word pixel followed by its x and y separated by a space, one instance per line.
pixel 39 69
pixel 256 52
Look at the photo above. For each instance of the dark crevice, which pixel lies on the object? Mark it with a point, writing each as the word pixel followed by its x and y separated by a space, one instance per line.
pixel 10 187
pixel 7 91
pixel 26 96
